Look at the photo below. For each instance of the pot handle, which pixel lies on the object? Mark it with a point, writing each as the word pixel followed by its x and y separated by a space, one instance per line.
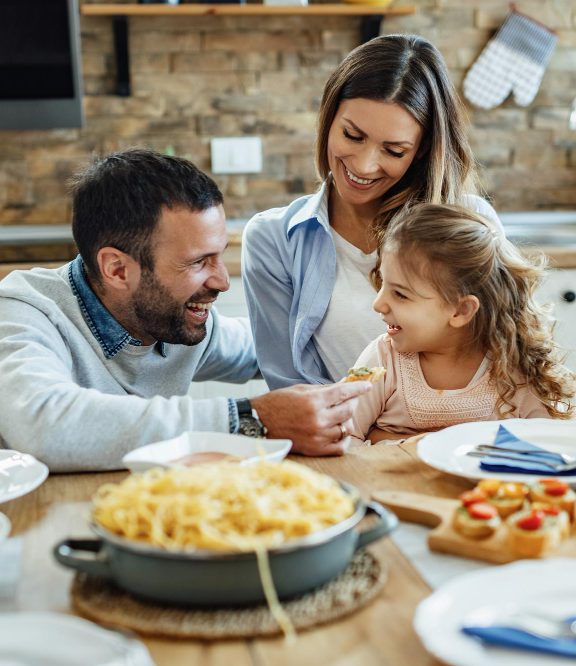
pixel 83 555
pixel 386 523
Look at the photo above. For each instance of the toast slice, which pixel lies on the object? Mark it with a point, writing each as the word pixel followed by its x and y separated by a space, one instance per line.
pixel 363 373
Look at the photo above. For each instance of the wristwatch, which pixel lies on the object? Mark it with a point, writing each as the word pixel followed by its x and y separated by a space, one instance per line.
pixel 250 423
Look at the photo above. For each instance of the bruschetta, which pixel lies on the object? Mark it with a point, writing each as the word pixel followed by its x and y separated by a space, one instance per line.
pixel 363 373
pixel 555 492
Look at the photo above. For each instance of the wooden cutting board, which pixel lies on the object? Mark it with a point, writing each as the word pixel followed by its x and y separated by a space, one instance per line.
pixel 437 512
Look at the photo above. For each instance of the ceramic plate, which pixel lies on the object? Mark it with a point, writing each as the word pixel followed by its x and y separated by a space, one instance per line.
pixel 52 639
pixel 446 449
pixel 169 452
pixel 5 527
pixel 19 474
pixel 487 596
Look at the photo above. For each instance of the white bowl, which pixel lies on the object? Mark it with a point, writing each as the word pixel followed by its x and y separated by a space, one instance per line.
pixel 168 452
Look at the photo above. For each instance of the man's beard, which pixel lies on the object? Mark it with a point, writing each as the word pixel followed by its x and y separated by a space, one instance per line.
pixel 162 317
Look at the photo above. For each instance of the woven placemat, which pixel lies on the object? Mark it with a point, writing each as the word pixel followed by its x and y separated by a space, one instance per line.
pixel 100 600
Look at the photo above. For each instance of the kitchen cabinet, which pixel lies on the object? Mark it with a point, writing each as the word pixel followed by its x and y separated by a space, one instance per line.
pixel 559 289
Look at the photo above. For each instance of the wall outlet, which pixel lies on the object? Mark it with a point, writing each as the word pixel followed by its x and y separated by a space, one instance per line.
pixel 237 155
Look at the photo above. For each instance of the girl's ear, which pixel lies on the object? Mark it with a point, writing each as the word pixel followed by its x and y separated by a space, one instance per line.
pixel 467 307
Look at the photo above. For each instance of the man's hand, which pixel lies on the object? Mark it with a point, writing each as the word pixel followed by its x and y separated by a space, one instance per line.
pixel 315 418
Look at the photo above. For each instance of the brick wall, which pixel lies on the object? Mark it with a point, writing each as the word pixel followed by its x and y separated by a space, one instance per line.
pixel 527 155
pixel 198 77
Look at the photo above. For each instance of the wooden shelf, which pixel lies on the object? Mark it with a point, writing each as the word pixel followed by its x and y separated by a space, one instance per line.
pixel 218 9
pixel 371 16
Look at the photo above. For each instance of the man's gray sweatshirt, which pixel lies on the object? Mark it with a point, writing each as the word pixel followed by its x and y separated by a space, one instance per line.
pixel 72 403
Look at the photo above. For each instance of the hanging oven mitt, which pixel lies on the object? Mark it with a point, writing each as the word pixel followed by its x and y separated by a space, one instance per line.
pixel 513 61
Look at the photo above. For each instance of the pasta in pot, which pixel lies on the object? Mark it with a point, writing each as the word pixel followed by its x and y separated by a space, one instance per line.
pixel 223 507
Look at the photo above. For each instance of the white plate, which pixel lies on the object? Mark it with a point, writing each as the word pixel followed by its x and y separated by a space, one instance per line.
pixel 52 639
pixel 164 454
pixel 19 474
pixel 486 596
pixel 446 449
pixel 5 527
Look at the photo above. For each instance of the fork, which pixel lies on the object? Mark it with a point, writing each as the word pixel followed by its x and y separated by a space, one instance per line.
pixel 557 467
pixel 566 459
pixel 541 624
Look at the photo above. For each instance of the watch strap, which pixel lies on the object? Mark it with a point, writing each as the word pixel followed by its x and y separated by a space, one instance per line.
pixel 244 407
pixel 249 422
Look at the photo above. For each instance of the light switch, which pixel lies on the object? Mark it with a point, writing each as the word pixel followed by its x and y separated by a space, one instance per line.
pixel 237 154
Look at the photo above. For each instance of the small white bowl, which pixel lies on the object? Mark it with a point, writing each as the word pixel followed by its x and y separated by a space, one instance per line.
pixel 168 452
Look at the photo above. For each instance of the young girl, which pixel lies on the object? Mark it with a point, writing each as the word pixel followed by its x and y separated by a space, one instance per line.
pixel 465 339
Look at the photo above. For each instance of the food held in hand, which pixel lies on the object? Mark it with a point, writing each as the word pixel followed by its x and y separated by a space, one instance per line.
pixel 555 492
pixel 363 373
pixel 506 497
pixel 476 520
pixel 534 532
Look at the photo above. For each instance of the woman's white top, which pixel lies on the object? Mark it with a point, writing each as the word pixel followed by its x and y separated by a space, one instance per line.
pixel 350 322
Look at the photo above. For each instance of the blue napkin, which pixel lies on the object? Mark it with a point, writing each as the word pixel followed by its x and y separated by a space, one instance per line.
pixel 530 462
pixel 512 637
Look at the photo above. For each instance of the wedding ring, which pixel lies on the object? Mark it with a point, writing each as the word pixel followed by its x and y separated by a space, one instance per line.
pixel 344 432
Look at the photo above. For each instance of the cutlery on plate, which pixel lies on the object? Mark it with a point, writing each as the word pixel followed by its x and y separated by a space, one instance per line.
pixel 566 459
pixel 540 624
pixel 557 467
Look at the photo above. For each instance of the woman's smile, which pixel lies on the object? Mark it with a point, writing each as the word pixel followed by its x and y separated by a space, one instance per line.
pixel 358 181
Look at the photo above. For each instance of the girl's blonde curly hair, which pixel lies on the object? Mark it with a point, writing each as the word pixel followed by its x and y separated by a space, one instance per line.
pixel 461 253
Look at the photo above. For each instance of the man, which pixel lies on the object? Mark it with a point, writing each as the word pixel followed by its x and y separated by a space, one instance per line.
pixel 96 357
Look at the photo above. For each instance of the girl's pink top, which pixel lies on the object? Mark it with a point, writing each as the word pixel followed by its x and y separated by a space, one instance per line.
pixel 403 402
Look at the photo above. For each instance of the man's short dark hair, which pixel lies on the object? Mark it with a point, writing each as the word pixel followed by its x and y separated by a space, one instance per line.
pixel 118 199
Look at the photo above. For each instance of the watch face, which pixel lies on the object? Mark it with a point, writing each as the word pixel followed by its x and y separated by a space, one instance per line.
pixel 250 427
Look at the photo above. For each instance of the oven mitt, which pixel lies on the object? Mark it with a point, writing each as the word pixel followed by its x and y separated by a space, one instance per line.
pixel 527 463
pixel 511 637
pixel 513 61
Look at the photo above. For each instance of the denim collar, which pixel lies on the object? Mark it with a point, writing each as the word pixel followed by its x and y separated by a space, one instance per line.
pixel 109 333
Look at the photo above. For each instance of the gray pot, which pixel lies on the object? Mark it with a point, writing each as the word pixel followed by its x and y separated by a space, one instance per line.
pixel 209 578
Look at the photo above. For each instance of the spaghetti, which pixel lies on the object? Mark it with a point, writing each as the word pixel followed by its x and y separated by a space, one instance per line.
pixel 222 507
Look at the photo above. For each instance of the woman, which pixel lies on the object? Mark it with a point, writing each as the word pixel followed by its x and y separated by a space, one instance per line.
pixel 390 132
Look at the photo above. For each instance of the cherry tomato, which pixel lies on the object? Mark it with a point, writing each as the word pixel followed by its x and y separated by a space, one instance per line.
pixel 512 490
pixel 554 487
pixel 472 496
pixel 533 521
pixel 482 511
pixel 489 486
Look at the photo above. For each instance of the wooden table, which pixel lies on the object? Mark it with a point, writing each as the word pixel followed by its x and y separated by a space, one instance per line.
pixel 381 634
